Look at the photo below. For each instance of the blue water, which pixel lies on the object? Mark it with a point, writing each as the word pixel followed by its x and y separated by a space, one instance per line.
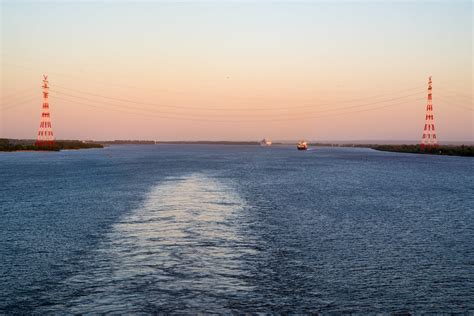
pixel 197 228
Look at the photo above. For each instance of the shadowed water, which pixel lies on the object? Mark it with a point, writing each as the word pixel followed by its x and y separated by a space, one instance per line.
pixel 184 229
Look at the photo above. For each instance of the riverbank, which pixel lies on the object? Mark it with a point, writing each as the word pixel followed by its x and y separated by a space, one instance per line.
pixel 8 145
pixel 467 151
pixel 29 145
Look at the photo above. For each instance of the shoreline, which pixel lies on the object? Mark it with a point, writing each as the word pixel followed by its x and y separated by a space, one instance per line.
pixel 14 145
pixel 441 150
pixel 17 145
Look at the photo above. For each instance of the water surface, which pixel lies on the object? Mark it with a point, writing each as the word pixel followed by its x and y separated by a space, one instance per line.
pixel 198 228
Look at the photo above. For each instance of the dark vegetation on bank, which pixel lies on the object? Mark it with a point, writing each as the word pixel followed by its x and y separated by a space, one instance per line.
pixel 22 145
pixel 448 150
pixel 439 150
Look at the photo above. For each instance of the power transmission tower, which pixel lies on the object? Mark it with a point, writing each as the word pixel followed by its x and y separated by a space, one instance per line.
pixel 45 137
pixel 428 139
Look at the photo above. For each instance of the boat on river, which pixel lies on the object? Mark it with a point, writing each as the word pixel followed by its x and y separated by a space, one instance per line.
pixel 302 145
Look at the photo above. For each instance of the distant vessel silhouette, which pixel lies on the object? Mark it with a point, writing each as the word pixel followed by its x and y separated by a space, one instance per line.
pixel 265 142
pixel 302 145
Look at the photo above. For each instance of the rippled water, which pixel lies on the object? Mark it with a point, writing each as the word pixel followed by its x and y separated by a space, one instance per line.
pixel 184 229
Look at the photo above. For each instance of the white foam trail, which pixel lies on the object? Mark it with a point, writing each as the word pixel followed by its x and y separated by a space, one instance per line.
pixel 182 248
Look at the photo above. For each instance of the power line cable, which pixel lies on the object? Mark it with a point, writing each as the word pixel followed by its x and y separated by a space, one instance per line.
pixel 448 102
pixel 224 109
pixel 14 105
pixel 17 94
pixel 179 117
pixel 188 92
pixel 455 94
pixel 269 115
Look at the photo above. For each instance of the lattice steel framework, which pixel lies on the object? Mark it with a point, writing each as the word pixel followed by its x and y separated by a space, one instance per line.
pixel 45 135
pixel 429 140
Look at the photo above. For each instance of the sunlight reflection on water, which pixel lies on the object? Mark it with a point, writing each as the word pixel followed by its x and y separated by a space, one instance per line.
pixel 182 246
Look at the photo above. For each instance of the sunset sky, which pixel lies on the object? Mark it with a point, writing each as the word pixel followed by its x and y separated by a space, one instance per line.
pixel 237 70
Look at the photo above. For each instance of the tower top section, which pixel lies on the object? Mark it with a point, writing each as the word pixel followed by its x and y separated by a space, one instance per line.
pixel 45 82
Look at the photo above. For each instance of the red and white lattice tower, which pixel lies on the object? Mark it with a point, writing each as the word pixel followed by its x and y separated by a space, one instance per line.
pixel 428 139
pixel 45 135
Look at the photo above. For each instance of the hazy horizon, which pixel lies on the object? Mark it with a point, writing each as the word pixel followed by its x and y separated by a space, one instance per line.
pixel 275 141
pixel 203 70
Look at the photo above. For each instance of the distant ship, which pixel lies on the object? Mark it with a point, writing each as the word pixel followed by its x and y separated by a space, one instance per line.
pixel 302 145
pixel 265 142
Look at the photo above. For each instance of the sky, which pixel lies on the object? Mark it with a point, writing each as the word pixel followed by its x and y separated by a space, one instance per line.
pixel 237 70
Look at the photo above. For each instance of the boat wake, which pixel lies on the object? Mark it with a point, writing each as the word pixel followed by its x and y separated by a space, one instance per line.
pixel 179 252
